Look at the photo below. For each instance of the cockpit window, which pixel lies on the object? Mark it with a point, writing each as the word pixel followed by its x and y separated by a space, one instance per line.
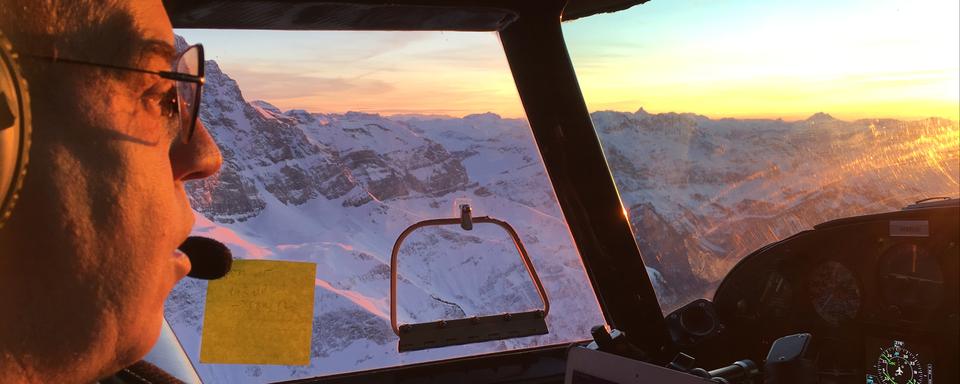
pixel 333 144
pixel 731 125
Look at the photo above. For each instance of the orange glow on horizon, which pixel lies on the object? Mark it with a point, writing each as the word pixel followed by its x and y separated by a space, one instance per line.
pixel 740 59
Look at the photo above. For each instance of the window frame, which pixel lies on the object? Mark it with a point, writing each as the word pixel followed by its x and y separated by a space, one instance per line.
pixel 586 191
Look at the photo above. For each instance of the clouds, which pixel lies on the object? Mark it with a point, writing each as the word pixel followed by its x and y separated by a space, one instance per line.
pixel 282 85
pixel 450 73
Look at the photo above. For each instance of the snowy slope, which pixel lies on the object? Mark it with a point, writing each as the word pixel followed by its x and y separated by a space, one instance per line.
pixel 337 189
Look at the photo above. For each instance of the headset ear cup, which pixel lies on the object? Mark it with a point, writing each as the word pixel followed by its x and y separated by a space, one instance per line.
pixel 15 129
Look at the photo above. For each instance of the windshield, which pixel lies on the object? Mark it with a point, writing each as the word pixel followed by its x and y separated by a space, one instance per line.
pixel 333 144
pixel 730 125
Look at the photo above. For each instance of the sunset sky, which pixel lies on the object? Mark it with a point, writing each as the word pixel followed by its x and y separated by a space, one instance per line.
pixel 729 58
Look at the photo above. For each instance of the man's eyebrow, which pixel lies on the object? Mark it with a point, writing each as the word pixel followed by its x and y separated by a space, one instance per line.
pixel 160 48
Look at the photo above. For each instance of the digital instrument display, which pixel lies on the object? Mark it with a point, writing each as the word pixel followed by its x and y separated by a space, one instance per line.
pixel 891 361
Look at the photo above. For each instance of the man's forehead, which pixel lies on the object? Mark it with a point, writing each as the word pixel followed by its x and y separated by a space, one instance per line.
pixel 155 31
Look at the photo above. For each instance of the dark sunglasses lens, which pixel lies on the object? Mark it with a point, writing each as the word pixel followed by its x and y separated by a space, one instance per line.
pixel 188 92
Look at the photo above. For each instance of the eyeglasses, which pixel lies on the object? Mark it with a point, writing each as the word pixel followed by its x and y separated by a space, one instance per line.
pixel 188 75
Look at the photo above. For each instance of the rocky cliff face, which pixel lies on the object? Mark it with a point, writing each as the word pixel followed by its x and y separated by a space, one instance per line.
pixel 297 156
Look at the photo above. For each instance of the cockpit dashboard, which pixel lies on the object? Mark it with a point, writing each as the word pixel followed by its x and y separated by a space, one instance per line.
pixel 877 292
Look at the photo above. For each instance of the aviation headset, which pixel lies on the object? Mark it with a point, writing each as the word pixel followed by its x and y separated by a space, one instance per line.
pixel 14 129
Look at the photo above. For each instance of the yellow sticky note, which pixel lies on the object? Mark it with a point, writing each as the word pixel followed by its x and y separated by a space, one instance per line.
pixel 260 313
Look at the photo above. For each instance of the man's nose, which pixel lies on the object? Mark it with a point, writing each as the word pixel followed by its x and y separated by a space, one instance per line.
pixel 197 159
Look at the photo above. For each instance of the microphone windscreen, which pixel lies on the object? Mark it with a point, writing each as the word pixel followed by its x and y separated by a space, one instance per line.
pixel 210 259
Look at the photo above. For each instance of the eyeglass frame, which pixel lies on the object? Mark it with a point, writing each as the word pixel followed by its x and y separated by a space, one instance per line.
pixel 198 79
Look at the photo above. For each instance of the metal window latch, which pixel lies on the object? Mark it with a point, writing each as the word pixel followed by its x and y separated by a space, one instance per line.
pixel 466 219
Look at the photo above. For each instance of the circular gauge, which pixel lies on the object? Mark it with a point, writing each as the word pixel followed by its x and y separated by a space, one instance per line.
pixel 911 277
pixel 834 292
pixel 775 296
pixel 897 365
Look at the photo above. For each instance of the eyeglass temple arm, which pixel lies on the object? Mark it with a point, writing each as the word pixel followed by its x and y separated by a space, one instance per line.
pixel 164 74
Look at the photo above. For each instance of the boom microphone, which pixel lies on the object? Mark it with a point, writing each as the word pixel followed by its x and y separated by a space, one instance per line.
pixel 210 259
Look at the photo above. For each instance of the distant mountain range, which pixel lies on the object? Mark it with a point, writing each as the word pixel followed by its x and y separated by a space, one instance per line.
pixel 703 193
pixel 337 189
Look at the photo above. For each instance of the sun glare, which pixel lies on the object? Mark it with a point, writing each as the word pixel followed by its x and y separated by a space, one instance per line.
pixel 741 59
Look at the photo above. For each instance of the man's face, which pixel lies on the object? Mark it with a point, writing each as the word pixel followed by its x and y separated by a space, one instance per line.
pixel 103 208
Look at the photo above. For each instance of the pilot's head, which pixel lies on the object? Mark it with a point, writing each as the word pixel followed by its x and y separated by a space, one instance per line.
pixel 88 256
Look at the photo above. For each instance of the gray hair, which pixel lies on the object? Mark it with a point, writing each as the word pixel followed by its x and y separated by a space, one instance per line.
pixel 78 29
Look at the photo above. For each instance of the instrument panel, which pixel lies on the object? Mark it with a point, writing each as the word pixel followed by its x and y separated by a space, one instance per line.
pixel 878 293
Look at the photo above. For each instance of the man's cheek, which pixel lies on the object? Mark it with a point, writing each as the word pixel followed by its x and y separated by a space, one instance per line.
pixel 160 198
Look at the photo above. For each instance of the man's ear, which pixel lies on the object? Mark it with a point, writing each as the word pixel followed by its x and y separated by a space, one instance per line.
pixel 15 129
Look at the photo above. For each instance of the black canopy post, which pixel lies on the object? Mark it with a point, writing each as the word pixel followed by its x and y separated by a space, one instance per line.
pixel 574 160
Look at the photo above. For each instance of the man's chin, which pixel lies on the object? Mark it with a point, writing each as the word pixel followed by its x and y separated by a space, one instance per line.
pixel 141 341
pixel 135 340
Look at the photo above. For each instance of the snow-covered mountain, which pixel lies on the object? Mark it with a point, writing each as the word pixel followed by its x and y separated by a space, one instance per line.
pixel 703 193
pixel 337 189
